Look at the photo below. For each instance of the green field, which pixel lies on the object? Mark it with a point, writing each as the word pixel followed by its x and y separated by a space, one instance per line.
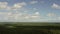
pixel 29 28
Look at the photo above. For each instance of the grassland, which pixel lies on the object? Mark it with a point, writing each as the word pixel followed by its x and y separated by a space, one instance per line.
pixel 29 28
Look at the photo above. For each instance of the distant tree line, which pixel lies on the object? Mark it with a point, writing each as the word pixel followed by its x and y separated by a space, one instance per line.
pixel 15 29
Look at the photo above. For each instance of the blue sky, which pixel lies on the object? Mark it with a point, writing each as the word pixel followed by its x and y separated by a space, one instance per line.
pixel 29 10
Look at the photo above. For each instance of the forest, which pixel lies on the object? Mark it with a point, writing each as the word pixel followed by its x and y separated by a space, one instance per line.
pixel 30 28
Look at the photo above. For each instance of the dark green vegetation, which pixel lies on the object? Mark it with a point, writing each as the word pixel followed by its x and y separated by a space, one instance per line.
pixel 29 28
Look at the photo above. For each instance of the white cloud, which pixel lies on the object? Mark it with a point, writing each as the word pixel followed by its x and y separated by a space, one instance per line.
pixel 25 11
pixel 58 18
pixel 3 13
pixel 3 5
pixel 51 14
pixel 34 16
pixel 6 15
pixel 36 13
pixel 34 8
pixel 33 2
pixel 19 16
pixel 8 8
pixel 56 6
pixel 27 17
pixel 19 5
pixel 10 13
pixel 16 16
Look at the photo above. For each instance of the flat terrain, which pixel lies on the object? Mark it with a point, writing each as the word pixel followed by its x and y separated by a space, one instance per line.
pixel 29 28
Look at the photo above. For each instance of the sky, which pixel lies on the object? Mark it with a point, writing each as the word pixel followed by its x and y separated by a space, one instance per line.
pixel 29 10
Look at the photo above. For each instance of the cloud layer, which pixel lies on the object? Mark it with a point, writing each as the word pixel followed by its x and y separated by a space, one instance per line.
pixel 56 6
pixel 22 11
